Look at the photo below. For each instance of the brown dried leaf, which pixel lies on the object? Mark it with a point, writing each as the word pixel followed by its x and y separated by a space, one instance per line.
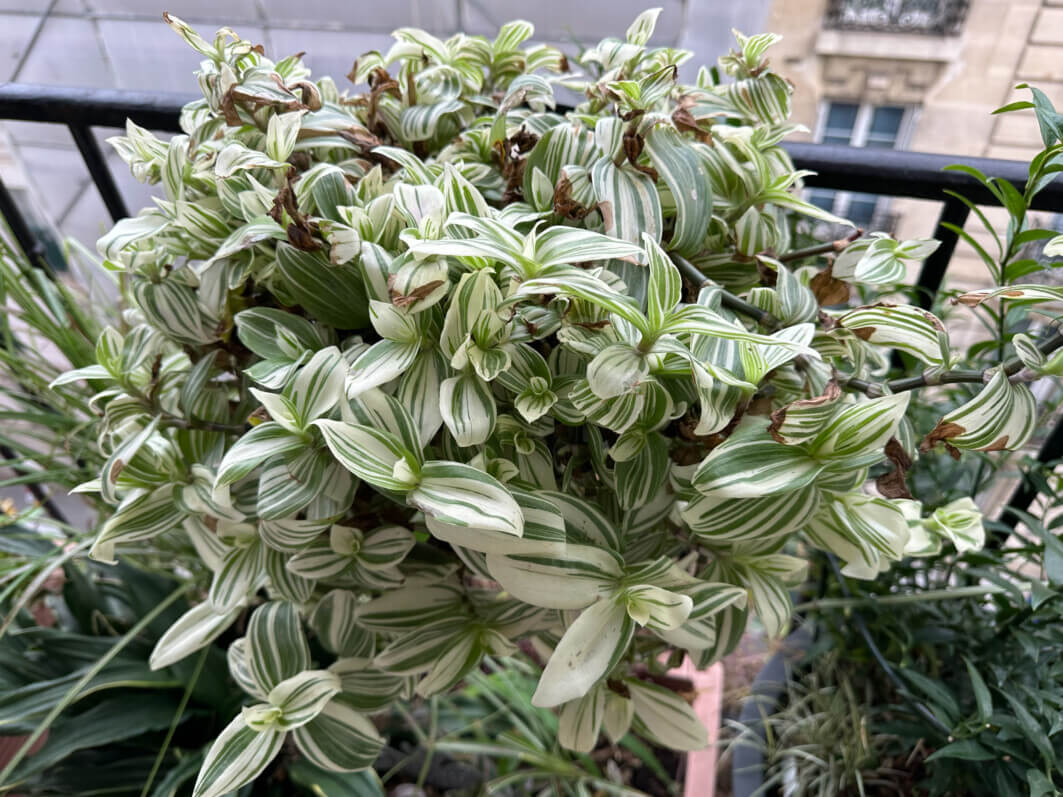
pixel 564 205
pixel 827 290
pixel 941 433
pixel 405 300
pixel 894 484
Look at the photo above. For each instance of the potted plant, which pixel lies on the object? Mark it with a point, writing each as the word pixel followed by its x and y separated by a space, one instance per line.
pixel 437 372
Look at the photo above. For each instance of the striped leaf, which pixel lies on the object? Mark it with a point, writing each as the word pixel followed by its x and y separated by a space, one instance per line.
pixel 684 172
pixel 461 495
pixel 576 578
pixel 460 658
pixel 379 364
pixel 370 454
pixel 557 246
pixel 275 334
pixel 583 285
pixel 340 738
pixel 276 648
pixel 418 391
pixel 544 530
pixel 382 411
pixel 364 688
pixel 617 369
pixel 193 630
pixel 419 650
pixel 236 657
pixel 236 758
pixel 562 145
pixel 860 431
pixel 240 573
pixel 140 516
pixel 284 584
pixel 319 562
pixel 335 621
pixel 617 717
pixel 318 387
pixel 468 408
pixel 290 535
pixel 665 286
pixel 665 717
pixel 1033 293
pixel 802 421
pixel 879 260
pixel 286 488
pixel 1001 417
pixel 332 294
pixel 261 443
pixel 865 532
pixel 656 607
pixel 127 232
pixel 580 721
pixel 589 648
pixel 909 329
pixel 303 696
pixel 725 522
pixel 641 477
pixel 752 466
pixel 960 522
pixel 583 520
pixel 410 606
pixel 236 157
pixel 627 200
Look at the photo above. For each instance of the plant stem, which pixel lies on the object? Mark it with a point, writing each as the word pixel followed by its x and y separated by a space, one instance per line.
pixel 820 249
pixel 176 721
pixel 91 673
pixel 1011 368
pixel 915 597
pixel 732 302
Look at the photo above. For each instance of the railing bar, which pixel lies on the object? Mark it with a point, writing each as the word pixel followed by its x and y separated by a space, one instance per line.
pixel 97 166
pixel 30 102
pixel 29 243
pixel 934 267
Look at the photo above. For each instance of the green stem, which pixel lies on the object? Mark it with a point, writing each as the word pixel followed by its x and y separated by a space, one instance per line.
pixel 91 673
pixel 176 721
pixel 1011 368
pixel 914 597
pixel 729 300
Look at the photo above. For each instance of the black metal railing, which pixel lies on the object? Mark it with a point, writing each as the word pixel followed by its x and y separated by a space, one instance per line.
pixel 894 173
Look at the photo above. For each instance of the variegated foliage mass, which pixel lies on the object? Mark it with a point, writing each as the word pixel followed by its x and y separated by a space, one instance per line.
pixel 419 375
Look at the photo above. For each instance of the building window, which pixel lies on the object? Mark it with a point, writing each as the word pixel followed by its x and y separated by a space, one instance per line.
pixel 851 124
pixel 935 17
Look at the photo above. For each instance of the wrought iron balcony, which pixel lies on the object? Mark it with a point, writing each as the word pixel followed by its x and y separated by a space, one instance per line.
pixel 928 17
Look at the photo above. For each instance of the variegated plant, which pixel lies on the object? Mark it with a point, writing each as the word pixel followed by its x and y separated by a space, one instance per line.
pixel 437 370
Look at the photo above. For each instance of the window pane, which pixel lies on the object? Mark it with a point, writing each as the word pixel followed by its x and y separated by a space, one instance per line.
pixel 822 198
pixel 841 116
pixel 862 209
pixel 885 125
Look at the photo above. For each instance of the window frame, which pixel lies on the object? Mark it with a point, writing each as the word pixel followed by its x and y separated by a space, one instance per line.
pixel 858 138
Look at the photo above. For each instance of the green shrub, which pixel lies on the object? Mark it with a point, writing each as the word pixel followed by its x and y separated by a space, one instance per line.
pixel 442 369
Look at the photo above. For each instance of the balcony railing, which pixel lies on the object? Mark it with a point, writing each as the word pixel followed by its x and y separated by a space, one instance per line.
pixel 894 173
pixel 929 17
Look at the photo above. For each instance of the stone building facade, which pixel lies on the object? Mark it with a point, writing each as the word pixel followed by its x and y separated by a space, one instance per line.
pixel 945 64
